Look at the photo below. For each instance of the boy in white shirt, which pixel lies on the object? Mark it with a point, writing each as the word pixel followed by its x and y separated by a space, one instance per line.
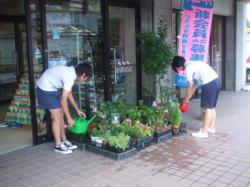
pixel 198 71
pixel 49 97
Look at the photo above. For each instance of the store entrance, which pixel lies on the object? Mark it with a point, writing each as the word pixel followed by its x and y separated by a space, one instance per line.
pixel 216 47
pixel 13 64
pixel 122 50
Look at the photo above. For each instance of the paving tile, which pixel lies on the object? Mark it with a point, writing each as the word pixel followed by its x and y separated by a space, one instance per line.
pixel 198 184
pixel 245 174
pixel 205 180
pixel 225 180
pixel 243 179
pixel 238 184
pixel 217 172
pixel 211 176
pixel 229 175
pixel 218 184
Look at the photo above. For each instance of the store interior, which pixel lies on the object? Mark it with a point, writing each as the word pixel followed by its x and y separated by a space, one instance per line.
pixel 13 135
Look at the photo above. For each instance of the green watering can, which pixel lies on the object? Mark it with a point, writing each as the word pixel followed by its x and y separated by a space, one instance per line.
pixel 81 125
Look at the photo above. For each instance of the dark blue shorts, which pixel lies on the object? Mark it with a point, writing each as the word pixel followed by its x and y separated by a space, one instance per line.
pixel 210 93
pixel 48 99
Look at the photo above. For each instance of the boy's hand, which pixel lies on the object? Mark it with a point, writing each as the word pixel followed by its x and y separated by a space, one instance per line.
pixel 80 113
pixel 185 100
pixel 71 122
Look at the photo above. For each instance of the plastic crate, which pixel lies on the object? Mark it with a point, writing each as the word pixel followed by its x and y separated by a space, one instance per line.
pixel 81 146
pixel 141 143
pixel 163 138
pixel 112 155
pixel 183 128
pixel 83 138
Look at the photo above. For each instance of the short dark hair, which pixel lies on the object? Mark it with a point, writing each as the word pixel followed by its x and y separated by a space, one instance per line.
pixel 84 68
pixel 178 61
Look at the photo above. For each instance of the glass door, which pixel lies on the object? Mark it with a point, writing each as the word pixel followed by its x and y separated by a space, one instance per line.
pixel 13 92
pixel 36 53
pixel 122 48
pixel 216 46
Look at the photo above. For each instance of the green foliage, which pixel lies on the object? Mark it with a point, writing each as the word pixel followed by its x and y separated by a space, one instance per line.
pixel 134 115
pixel 120 141
pixel 156 56
pixel 156 53
pixel 136 130
pixel 102 133
pixel 153 116
pixel 108 108
pixel 175 114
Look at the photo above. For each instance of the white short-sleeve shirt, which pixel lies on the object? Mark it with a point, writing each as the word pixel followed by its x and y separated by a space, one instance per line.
pixel 57 77
pixel 200 71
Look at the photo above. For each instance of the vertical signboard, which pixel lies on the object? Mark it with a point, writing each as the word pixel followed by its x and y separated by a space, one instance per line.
pixel 194 33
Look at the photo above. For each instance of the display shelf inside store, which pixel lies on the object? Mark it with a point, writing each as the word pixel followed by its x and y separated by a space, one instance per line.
pixel 19 110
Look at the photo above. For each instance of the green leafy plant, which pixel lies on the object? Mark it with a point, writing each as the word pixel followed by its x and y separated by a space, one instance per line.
pixel 135 130
pixel 175 114
pixel 156 55
pixel 153 116
pixel 102 133
pixel 119 141
pixel 108 108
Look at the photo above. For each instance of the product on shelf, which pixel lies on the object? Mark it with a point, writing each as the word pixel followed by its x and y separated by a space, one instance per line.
pixel 19 109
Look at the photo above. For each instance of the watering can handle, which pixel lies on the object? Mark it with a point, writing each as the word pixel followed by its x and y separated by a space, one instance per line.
pixel 89 121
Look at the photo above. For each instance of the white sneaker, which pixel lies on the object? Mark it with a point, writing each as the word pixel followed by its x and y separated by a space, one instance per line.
pixel 211 130
pixel 61 148
pixel 68 144
pixel 200 134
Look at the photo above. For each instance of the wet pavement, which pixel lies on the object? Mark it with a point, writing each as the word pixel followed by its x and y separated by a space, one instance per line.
pixel 223 159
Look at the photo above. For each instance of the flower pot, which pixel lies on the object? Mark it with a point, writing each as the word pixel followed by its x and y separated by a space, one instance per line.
pixel 176 130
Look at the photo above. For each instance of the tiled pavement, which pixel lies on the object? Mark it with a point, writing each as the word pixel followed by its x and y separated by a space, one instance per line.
pixel 221 160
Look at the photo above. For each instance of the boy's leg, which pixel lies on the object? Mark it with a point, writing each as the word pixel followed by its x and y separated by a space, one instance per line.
pixel 62 129
pixel 56 124
pixel 208 115
pixel 213 118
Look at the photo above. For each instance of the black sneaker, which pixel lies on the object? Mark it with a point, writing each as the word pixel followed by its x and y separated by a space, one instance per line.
pixel 69 145
pixel 61 148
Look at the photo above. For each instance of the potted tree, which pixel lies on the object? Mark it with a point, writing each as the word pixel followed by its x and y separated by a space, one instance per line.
pixel 156 56
pixel 175 116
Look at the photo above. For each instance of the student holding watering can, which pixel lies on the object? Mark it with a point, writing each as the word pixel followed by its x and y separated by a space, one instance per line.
pixel 49 97
pixel 197 71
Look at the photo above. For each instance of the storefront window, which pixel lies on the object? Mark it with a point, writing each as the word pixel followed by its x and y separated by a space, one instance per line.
pixel 12 7
pixel 73 29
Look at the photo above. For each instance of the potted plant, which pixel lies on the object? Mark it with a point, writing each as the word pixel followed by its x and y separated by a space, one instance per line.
pixel 156 56
pixel 118 143
pixel 175 116
pixel 99 136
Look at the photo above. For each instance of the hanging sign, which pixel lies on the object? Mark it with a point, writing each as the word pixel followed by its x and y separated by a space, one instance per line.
pixel 194 33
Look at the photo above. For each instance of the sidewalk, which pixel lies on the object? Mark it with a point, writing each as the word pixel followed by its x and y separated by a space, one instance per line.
pixel 221 160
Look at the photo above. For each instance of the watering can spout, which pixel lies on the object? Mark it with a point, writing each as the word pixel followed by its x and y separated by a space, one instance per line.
pixel 93 117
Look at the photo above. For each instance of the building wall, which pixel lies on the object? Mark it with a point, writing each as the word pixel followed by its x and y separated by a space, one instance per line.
pixel 241 53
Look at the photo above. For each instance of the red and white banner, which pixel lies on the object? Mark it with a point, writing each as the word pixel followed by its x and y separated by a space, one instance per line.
pixel 194 33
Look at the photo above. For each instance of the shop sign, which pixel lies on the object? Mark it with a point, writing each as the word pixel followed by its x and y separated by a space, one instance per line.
pixel 194 33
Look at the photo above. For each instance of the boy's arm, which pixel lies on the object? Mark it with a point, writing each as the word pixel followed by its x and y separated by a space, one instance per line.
pixel 190 90
pixel 195 85
pixel 72 101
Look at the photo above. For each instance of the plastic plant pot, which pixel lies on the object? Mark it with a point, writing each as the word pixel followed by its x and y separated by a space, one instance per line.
pixel 81 125
pixel 184 107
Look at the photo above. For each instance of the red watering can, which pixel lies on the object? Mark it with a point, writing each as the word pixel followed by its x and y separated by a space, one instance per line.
pixel 184 107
